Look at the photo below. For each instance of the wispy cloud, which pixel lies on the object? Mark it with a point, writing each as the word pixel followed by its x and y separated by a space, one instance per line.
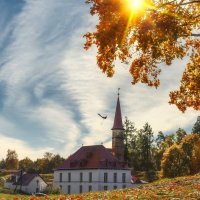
pixel 51 89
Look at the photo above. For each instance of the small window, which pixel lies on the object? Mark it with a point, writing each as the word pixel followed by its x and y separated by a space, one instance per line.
pixel 124 177
pixel 37 181
pixel 105 177
pixel 105 187
pixel 90 188
pixel 124 186
pixel 69 189
pixel 81 177
pixel 90 177
pixel 69 177
pixel 60 187
pixel 80 188
pixel 60 177
pixel 114 187
pixel 115 177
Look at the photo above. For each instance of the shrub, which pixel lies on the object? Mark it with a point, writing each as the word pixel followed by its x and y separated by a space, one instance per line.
pixel 151 175
pixel 52 190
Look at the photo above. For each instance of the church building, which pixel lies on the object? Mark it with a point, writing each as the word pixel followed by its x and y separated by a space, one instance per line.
pixel 96 168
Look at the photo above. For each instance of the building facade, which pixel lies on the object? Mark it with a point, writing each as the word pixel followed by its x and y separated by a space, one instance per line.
pixel 96 168
pixel 91 180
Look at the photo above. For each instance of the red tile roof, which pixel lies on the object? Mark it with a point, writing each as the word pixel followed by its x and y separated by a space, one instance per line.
pixel 135 179
pixel 118 117
pixel 92 157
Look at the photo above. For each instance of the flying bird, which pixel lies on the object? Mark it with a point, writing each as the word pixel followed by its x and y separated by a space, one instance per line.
pixel 103 117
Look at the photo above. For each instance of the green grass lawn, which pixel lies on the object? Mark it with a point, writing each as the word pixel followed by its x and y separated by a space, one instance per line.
pixel 187 188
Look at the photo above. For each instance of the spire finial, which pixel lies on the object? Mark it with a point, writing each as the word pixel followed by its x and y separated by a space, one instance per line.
pixel 118 92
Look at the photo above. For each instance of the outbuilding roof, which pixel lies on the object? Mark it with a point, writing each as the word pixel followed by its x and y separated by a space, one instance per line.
pixel 26 179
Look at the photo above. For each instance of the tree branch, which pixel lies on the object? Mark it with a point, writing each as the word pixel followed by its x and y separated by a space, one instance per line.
pixel 190 2
pixel 165 4
pixel 181 2
pixel 196 16
pixel 195 34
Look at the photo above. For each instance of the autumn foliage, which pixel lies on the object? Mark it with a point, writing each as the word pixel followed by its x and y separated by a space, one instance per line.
pixel 159 32
pixel 182 159
pixel 189 92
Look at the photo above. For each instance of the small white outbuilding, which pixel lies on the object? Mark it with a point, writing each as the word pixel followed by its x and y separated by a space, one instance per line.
pixel 28 183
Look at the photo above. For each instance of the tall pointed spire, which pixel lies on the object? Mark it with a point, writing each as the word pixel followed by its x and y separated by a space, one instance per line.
pixel 118 117
pixel 118 133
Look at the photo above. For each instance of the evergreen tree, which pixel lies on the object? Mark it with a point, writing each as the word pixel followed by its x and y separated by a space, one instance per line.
pixel 180 134
pixel 2 164
pixel 133 156
pixel 128 138
pixel 145 144
pixel 196 127
pixel 169 141
pixel 160 138
pixel 158 149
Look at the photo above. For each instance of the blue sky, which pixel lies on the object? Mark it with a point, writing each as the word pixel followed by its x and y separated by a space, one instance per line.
pixel 51 88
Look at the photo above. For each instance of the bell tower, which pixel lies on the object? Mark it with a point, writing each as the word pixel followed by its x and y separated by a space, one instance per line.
pixel 118 133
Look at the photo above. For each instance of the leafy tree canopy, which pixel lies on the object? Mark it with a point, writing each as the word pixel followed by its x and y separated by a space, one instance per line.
pixel 182 159
pixel 172 163
pixel 26 164
pixel 12 161
pixel 145 33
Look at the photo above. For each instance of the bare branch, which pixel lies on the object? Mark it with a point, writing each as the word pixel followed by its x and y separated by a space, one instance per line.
pixel 190 2
pixel 195 34
pixel 165 4
pixel 181 2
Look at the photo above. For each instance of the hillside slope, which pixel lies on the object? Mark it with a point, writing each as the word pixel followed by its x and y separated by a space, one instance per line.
pixel 187 188
pixel 178 188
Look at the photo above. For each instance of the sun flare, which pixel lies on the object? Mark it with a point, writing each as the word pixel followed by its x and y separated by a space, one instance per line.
pixel 136 5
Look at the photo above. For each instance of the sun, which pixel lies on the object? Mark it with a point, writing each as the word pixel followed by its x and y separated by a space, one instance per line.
pixel 135 5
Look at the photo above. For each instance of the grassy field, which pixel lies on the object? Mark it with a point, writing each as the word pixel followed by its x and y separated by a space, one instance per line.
pixel 187 188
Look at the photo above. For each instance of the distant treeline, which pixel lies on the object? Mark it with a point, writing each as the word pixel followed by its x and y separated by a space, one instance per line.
pixel 44 165
pixel 174 154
